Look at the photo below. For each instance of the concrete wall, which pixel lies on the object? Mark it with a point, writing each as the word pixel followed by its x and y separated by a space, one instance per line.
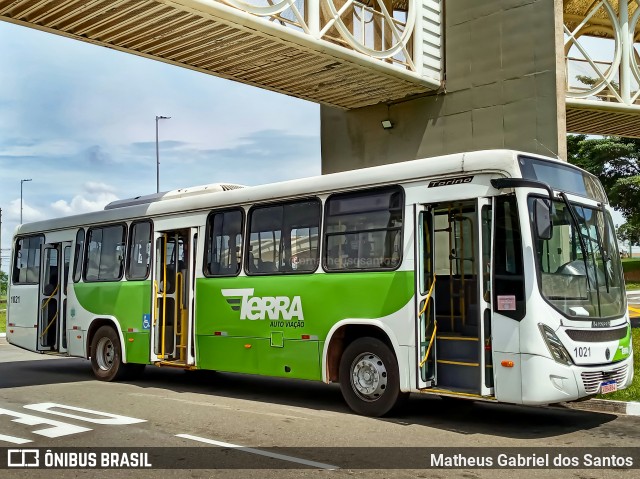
pixel 503 88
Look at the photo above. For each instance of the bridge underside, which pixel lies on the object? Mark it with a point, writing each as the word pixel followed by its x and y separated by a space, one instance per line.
pixel 602 122
pixel 216 39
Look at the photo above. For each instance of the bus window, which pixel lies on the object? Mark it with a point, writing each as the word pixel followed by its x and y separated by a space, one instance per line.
pixel 224 243
pixel 281 238
pixel 105 250
pixel 364 230
pixel 138 258
pixel 26 263
pixel 77 259
pixel 507 258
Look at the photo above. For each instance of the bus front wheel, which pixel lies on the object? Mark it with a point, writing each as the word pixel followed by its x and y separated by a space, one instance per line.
pixel 106 355
pixel 369 378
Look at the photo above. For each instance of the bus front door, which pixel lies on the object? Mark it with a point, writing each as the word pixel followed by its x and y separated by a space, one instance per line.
pixel 173 292
pixel 52 314
pixel 453 310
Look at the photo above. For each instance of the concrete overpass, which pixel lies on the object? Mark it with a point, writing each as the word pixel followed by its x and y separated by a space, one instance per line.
pixel 449 75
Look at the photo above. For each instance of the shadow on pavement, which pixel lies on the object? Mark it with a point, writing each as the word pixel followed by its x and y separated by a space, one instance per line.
pixel 36 373
pixel 459 416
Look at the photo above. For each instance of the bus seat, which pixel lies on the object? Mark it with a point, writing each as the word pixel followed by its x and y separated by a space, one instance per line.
pixel 253 267
pixel 32 275
pixel 266 267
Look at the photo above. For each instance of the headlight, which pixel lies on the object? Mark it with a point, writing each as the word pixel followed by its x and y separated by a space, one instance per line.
pixel 557 350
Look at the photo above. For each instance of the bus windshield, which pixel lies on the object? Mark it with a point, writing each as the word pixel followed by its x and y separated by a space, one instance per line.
pixel 579 266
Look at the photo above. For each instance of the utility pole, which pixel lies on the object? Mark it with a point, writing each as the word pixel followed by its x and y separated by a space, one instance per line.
pixel 158 153
pixel 21 182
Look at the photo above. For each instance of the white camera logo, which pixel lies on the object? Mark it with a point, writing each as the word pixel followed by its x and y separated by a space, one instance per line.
pixel 23 458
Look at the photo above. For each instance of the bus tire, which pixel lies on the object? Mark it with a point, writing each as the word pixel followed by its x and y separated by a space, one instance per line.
pixel 369 377
pixel 106 355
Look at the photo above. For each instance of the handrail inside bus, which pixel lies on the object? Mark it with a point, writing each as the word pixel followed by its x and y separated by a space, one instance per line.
pixel 435 322
pixel 50 298
pixel 49 325
pixel 164 293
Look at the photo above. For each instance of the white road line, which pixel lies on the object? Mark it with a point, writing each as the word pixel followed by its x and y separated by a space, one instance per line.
pixel 251 450
pixel 222 406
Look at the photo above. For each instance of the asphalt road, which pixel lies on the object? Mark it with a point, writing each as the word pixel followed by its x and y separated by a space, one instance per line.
pixel 178 409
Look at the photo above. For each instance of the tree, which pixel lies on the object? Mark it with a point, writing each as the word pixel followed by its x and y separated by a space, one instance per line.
pixel 630 233
pixel 3 283
pixel 616 162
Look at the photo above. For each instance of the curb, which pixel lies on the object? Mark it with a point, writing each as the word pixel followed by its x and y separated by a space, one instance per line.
pixel 605 405
pixel 3 335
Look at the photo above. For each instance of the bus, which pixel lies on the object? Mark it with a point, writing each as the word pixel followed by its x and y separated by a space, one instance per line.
pixel 489 275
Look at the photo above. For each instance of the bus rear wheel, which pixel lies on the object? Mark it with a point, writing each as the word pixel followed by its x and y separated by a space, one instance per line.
pixel 106 355
pixel 369 377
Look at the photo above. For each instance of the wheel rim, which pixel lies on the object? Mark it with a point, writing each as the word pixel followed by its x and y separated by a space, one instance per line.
pixel 368 377
pixel 105 354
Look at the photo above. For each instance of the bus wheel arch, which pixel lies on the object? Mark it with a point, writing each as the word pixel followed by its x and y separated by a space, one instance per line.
pixel 342 336
pixel 367 350
pixel 106 354
pixel 95 325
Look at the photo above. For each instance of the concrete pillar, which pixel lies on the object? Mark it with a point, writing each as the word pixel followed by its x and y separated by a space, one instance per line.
pixel 503 88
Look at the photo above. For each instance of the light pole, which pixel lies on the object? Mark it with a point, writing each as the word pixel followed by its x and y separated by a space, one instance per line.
pixel 158 153
pixel 21 182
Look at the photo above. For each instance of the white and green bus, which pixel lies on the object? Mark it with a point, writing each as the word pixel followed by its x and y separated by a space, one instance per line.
pixel 490 275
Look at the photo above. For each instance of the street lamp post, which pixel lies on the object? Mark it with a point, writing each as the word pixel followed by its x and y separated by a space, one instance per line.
pixel 158 153
pixel 21 182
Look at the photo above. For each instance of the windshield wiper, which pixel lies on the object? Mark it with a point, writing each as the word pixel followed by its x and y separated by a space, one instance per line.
pixel 585 252
pixel 603 242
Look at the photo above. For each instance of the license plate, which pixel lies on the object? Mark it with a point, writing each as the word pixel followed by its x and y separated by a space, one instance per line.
pixel 608 387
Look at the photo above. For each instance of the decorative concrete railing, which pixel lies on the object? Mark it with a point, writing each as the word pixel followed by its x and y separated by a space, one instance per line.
pixel 404 33
pixel 601 59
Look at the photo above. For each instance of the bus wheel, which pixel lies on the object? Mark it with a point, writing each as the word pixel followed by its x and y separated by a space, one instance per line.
pixel 369 378
pixel 106 355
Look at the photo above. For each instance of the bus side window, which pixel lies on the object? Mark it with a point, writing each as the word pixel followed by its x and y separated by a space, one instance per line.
pixel 105 253
pixel 224 243
pixel 363 230
pixel 78 256
pixel 26 263
pixel 283 238
pixel 507 258
pixel 138 258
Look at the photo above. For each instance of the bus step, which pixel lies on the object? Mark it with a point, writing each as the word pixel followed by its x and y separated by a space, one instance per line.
pixel 458 374
pixel 174 364
pixel 454 346
pixel 456 392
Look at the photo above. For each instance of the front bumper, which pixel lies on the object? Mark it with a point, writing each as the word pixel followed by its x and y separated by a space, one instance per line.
pixel 545 381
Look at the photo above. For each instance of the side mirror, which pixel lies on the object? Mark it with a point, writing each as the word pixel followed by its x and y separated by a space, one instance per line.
pixel 542 219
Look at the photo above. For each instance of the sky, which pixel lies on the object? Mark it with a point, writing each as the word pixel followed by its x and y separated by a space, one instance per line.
pixel 79 120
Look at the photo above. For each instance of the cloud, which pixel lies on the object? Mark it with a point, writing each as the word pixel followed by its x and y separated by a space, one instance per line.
pixel 29 213
pixel 94 197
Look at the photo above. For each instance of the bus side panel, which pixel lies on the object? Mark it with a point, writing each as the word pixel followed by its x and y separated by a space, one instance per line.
pixel 238 328
pixel 128 301
pixel 22 316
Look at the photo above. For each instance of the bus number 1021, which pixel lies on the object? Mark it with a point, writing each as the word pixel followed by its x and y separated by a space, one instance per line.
pixel 582 352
